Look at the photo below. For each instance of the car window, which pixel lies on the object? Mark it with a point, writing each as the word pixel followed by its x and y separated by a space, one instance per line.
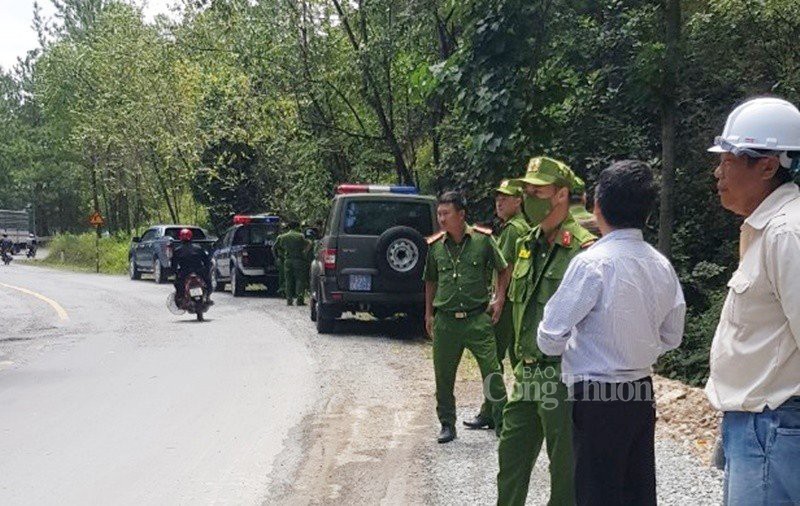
pixel 149 235
pixel 174 232
pixel 367 217
pixel 256 233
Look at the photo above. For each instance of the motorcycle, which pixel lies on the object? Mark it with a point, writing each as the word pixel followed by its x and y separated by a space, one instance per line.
pixel 193 300
pixel 6 256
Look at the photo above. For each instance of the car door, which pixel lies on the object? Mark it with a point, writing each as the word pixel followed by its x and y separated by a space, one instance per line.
pixel 223 259
pixel 141 248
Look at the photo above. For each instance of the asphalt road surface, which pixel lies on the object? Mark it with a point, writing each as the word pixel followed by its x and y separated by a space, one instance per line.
pixel 107 398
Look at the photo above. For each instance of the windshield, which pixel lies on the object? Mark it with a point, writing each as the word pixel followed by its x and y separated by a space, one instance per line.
pixel 363 217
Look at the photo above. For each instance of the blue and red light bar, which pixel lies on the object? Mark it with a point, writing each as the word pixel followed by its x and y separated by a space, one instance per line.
pixel 243 219
pixel 376 188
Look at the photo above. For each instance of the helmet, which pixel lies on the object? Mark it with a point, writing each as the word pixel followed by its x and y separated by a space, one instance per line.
pixel 185 234
pixel 765 126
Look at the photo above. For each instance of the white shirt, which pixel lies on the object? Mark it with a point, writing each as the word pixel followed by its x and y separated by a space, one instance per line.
pixel 755 361
pixel 619 306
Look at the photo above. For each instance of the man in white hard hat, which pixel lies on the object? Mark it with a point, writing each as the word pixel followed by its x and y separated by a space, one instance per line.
pixel 755 356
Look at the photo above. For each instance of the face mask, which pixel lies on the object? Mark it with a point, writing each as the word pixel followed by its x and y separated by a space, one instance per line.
pixel 535 209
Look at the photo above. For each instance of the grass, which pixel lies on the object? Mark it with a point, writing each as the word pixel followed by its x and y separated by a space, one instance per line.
pixel 77 252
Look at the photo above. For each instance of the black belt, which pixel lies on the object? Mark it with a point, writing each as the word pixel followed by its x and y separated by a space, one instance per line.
pixel 460 315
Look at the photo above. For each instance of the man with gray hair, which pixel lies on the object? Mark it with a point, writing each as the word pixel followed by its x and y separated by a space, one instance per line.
pixel 755 355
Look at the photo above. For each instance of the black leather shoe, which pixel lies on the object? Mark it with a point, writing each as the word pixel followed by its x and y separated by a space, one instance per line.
pixel 479 422
pixel 447 434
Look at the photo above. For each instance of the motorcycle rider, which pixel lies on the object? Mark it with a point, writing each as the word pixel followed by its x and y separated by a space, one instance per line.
pixel 33 244
pixel 6 246
pixel 189 258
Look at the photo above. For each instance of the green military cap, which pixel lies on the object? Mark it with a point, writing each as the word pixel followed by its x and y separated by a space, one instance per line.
pixel 510 187
pixel 543 171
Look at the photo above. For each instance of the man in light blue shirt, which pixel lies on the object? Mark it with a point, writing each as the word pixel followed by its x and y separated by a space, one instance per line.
pixel 619 306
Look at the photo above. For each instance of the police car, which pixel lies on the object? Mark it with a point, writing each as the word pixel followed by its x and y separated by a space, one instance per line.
pixel 243 255
pixel 371 254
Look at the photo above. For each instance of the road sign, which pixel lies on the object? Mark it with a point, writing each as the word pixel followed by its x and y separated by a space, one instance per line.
pixel 96 220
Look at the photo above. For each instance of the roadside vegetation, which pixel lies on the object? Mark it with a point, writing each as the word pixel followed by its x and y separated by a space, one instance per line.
pixel 77 251
pixel 237 106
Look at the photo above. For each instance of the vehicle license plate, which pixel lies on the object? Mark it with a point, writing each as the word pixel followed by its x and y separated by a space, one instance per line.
pixel 196 292
pixel 360 282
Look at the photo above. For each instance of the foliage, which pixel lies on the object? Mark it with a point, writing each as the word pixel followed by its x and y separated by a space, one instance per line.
pixel 243 106
pixel 78 251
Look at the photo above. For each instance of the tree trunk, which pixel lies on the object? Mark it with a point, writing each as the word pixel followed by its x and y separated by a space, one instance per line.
pixel 672 22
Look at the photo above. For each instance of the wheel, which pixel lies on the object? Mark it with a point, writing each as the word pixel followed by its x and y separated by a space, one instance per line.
pixel 216 284
pixel 133 271
pixel 272 287
pixel 313 309
pixel 324 322
pixel 237 282
pixel 400 253
pixel 199 316
pixel 159 276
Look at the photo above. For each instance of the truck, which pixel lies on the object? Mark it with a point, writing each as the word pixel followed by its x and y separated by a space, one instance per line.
pixel 16 224
pixel 152 252
pixel 243 255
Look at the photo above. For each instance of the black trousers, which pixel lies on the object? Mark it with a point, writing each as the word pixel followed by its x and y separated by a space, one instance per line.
pixel 613 443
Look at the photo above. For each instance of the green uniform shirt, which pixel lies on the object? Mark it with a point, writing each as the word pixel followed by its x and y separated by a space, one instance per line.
pixel 461 271
pixel 513 229
pixel 291 245
pixel 538 270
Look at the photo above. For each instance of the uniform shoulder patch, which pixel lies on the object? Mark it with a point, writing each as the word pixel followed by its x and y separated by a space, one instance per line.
pixel 482 230
pixel 435 237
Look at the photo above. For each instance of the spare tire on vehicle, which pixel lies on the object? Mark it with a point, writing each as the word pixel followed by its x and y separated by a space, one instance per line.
pixel 401 253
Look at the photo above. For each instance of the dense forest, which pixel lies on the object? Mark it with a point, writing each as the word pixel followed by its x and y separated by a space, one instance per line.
pixel 240 106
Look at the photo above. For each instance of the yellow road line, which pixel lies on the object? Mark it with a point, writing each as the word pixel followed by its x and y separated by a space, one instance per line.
pixel 62 314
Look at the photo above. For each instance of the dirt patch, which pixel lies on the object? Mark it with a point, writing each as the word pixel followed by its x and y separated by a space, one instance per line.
pixel 685 416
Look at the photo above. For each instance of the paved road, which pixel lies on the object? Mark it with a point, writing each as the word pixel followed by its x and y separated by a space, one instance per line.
pixel 125 403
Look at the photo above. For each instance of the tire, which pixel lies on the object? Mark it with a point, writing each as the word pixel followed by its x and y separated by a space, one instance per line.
pixel 133 271
pixel 325 323
pixel 199 316
pixel 159 276
pixel 272 287
pixel 313 310
pixel 216 284
pixel 401 253
pixel 238 282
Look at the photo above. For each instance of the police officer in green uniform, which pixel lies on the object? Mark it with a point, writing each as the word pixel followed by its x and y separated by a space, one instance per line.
pixel 457 277
pixel 537 410
pixel 508 207
pixel 577 207
pixel 292 249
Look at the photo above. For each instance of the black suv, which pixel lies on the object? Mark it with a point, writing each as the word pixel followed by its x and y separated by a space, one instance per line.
pixel 244 256
pixel 371 254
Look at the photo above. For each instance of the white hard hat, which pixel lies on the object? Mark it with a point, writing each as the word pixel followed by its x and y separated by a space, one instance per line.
pixel 763 124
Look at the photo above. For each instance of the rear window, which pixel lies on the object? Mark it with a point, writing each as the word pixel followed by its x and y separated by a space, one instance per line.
pixel 364 217
pixel 256 234
pixel 174 232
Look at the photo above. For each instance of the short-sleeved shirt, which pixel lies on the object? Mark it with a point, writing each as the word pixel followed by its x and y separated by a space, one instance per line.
pixel 462 271
pixel 513 229
pixel 537 274
pixel 291 246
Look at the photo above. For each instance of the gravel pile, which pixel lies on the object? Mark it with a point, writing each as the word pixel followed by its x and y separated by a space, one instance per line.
pixel 464 471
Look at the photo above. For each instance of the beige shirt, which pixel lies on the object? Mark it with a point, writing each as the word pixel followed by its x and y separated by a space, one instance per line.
pixel 755 356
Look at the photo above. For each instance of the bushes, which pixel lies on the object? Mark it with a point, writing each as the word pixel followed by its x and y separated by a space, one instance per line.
pixel 689 363
pixel 78 251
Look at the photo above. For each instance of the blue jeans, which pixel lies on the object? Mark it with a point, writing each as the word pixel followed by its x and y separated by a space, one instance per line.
pixel 762 456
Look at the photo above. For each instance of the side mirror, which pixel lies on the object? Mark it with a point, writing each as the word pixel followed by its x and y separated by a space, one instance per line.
pixel 136 239
pixel 311 234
